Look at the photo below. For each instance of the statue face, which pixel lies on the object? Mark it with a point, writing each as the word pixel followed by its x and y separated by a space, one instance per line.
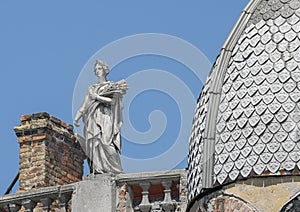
pixel 101 70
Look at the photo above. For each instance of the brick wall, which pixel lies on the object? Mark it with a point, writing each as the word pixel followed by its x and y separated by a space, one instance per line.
pixel 49 152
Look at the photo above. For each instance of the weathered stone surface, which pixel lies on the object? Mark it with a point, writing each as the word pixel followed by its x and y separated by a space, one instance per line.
pixel 96 193
pixel 101 114
pixel 256 194
pixel 146 190
pixel 55 198
pixel 266 194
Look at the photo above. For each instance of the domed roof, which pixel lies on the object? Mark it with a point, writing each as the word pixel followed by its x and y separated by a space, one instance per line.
pixel 247 121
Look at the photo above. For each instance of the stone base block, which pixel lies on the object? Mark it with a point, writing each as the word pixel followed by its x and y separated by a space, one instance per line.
pixel 95 193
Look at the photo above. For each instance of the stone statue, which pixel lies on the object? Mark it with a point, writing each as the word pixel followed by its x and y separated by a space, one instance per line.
pixel 101 114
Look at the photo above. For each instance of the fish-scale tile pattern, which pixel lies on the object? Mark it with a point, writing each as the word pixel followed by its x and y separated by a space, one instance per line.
pixel 258 124
pixel 273 9
pixel 195 160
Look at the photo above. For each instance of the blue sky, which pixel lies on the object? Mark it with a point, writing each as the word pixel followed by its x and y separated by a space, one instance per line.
pixel 44 46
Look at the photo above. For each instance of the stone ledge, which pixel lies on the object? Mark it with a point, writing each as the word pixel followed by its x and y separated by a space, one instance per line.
pixel 54 191
pixel 159 175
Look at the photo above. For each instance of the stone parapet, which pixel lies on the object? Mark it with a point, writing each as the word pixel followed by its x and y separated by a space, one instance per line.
pixel 148 191
pixel 55 198
pixel 49 152
pixel 152 191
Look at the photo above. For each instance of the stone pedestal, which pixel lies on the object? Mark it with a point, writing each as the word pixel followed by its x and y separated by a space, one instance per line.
pixel 95 193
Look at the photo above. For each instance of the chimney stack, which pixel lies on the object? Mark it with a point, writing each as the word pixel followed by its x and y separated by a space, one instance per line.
pixel 49 152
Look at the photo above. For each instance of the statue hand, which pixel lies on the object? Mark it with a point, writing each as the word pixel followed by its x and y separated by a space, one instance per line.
pixel 76 124
pixel 113 101
pixel 93 96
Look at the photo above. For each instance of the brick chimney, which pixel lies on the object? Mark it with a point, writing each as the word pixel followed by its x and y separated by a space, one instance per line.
pixel 49 152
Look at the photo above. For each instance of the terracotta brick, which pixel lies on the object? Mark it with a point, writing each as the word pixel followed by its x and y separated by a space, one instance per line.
pixel 71 177
pixel 25 117
pixel 63 124
pixel 38 137
pixel 38 148
pixel 24 139
pixel 34 170
pixel 48 156
pixel 23 150
pixel 60 182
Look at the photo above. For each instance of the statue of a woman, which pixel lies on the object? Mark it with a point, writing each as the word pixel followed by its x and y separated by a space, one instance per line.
pixel 101 113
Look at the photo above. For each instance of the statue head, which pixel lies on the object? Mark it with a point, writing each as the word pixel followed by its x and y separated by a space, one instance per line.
pixel 101 66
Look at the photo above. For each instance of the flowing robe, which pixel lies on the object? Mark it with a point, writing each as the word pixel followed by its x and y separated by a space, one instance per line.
pixel 102 123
